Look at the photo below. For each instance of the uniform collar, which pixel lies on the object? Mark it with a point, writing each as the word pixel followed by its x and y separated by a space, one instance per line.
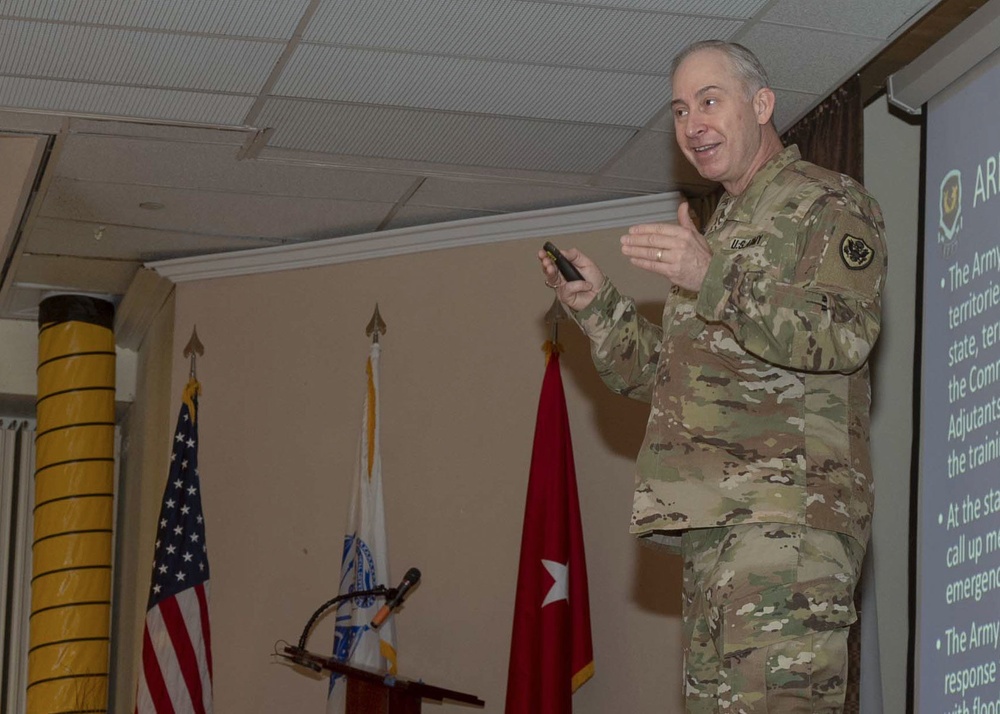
pixel 745 205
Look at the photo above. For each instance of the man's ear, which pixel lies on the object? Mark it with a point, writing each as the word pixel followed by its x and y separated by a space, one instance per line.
pixel 763 105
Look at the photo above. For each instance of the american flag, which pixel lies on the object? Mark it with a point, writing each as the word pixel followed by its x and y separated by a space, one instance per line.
pixel 176 668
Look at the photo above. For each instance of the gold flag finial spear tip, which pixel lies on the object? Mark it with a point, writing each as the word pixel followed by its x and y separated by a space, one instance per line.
pixel 194 348
pixel 553 317
pixel 376 326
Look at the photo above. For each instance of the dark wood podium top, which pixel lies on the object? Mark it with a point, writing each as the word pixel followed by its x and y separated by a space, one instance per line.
pixel 407 686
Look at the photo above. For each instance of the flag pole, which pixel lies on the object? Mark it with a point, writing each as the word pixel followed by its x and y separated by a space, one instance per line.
pixel 553 317
pixel 194 349
pixel 376 326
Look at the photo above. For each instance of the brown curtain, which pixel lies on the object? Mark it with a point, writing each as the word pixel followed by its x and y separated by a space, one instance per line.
pixel 702 207
pixel 833 136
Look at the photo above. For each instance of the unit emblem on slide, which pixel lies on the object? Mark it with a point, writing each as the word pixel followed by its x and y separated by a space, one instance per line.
pixel 951 206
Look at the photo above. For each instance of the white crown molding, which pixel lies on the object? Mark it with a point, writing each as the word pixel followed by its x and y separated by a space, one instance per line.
pixel 401 241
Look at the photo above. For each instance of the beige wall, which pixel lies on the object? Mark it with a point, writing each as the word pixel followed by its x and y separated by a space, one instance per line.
pixel 144 462
pixel 892 174
pixel 462 364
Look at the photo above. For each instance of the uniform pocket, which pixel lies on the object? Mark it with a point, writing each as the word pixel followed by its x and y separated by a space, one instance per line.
pixel 786 612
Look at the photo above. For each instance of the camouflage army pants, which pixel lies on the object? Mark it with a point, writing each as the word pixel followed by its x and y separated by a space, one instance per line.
pixel 767 608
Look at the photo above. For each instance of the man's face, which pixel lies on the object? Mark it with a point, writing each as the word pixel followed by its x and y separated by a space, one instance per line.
pixel 718 128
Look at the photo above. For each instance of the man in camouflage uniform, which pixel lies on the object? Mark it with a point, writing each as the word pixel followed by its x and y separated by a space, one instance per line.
pixel 756 456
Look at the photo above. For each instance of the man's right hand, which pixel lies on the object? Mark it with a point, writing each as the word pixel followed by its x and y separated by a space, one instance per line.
pixel 579 293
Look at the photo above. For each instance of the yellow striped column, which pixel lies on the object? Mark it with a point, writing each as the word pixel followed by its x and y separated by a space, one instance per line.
pixel 74 507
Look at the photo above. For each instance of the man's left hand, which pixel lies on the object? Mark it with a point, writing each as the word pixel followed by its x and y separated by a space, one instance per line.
pixel 675 250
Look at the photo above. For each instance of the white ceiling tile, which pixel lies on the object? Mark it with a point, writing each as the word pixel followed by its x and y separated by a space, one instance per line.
pixel 507 196
pixel 296 157
pixel 22 304
pixel 829 60
pixel 235 136
pixel 541 33
pixel 856 17
pixel 73 273
pixel 73 97
pixel 743 9
pixel 209 212
pixel 653 156
pixel 115 242
pixel 148 162
pixel 485 87
pixel 494 105
pixel 109 56
pixel 424 215
pixel 244 18
pixel 444 137
pixel 26 121
pixel 790 106
pixel 664 121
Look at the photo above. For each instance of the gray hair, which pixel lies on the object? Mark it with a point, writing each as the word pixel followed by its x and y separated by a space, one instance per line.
pixel 747 67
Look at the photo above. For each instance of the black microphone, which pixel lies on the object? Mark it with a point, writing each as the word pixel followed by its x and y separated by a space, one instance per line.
pixel 411 578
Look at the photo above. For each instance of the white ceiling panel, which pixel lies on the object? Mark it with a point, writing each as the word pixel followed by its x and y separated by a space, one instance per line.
pixel 416 169
pixel 136 102
pixel 22 304
pixel 51 236
pixel 161 131
pixel 448 138
pixel 789 107
pixel 484 87
pixel 540 33
pixel 242 18
pixel 819 70
pixel 263 122
pixel 653 156
pixel 233 214
pixel 505 196
pixel 856 17
pixel 742 9
pixel 422 215
pixel 144 162
pixel 129 57
pixel 66 272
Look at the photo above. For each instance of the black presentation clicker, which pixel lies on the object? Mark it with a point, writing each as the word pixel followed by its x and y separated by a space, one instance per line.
pixel 567 269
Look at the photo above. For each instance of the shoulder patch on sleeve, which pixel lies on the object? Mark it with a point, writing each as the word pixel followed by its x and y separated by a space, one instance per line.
pixel 854 259
pixel 855 252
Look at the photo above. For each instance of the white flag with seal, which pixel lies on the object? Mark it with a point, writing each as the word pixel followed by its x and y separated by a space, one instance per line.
pixel 365 561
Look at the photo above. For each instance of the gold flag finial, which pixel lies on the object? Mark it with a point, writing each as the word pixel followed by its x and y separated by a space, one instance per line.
pixel 376 326
pixel 194 349
pixel 553 317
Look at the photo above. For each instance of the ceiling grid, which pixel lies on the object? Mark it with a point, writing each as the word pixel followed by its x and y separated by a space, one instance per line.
pixel 490 106
pixel 264 19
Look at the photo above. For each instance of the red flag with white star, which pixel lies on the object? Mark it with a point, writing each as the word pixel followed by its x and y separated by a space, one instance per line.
pixel 551 653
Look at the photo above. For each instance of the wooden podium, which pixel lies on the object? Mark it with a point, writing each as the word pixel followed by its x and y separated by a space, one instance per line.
pixel 373 693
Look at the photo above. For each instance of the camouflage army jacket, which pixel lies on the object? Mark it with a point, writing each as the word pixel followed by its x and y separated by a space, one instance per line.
pixel 758 385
